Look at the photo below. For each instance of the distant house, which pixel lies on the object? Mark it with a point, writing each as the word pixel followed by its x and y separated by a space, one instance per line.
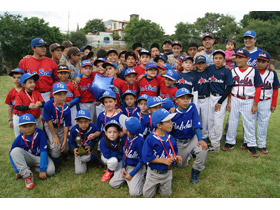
pixel 102 39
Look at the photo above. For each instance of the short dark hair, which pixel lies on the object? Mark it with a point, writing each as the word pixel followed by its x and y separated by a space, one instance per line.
pixel 136 45
pixel 192 45
pixel 155 45
pixel 101 53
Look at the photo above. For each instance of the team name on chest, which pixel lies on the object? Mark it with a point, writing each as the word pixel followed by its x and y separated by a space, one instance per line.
pixel 183 125
pixel 148 88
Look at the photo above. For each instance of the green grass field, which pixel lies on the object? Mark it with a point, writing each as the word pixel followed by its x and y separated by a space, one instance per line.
pixel 232 174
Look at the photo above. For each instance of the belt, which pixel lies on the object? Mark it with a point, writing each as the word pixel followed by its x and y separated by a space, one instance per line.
pixel 184 141
pixel 243 97
pixel 264 99
pixel 216 94
pixel 202 96
pixel 160 171
pixel 45 91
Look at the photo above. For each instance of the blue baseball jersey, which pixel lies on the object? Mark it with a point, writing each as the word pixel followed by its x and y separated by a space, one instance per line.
pixel 112 150
pixel 74 132
pixel 253 56
pixel 202 85
pixel 141 117
pixel 100 123
pixel 147 125
pixel 130 112
pixel 186 80
pixel 219 79
pixel 152 149
pixel 185 122
pixel 49 114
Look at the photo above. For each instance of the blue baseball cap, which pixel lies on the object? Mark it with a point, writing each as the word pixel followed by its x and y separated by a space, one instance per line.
pixel 143 97
pixel 16 71
pixel 59 87
pixel 243 53
pixel 113 123
pixel 86 63
pixel 219 52
pixel 171 74
pixel 187 57
pixel 151 66
pixel 264 56
pixel 108 94
pixel 27 76
pixel 181 58
pixel 99 60
pixel 154 101
pixel 165 66
pixel 83 113
pixel 38 42
pixel 250 33
pixel 129 71
pixel 168 104
pixel 183 91
pixel 26 119
pixel 161 56
pixel 200 59
pixel 128 92
pixel 161 115
pixel 110 64
pixel 83 48
pixel 132 125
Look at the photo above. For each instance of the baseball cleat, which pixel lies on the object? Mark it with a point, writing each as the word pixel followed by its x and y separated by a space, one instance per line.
pixel 263 150
pixel 107 176
pixel 228 147
pixel 29 182
pixel 243 146
pixel 253 151
pixel 195 176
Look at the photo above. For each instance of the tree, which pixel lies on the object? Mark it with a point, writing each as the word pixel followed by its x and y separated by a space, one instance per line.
pixel 273 16
pixel 115 35
pixel 94 26
pixel 143 31
pixel 78 38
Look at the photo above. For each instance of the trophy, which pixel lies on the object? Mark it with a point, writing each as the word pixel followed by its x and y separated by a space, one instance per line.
pixel 81 150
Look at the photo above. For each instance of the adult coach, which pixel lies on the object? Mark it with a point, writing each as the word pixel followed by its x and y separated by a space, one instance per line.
pixel 207 41
pixel 38 63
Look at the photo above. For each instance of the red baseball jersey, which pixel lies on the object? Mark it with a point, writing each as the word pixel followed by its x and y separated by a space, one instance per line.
pixel 86 96
pixel 120 88
pixel 72 91
pixel 22 99
pixel 166 92
pixel 133 87
pixel 139 70
pixel 11 97
pixel 46 68
pixel 149 87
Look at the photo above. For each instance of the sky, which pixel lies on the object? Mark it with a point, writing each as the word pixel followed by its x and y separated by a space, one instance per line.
pixel 166 13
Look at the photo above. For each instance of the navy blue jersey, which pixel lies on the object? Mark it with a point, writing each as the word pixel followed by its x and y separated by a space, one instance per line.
pixel 129 112
pixel 185 122
pixel 153 149
pixel 219 79
pixel 100 123
pixel 109 152
pixel 49 114
pixel 74 132
pixel 186 80
pixel 202 85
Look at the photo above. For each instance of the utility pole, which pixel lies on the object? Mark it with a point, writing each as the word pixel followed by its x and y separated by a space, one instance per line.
pixel 68 23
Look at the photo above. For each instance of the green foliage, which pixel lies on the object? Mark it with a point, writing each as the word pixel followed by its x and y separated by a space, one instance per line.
pixel 143 31
pixel 94 26
pixel 115 35
pixel 78 38
pixel 273 16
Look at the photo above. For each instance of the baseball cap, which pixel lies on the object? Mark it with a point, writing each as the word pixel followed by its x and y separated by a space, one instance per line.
pixel 61 68
pixel 243 53
pixel 167 41
pixel 73 50
pixel 121 53
pixel 16 71
pixel 99 60
pixel 83 48
pixel 144 51
pixel 130 71
pixel 86 63
pixel 143 97
pixel 176 43
pixel 55 46
pixel 27 76
pixel 38 42
pixel 161 56
pixel 154 101
pixel 182 91
pixel 150 66
pixel 83 113
pixel 112 51
pixel 168 104
pixel 131 124
pixel 130 53
pixel 128 92
pixel 187 57
pixel 264 56
pixel 108 94
pixel 171 74
pixel 207 34
pixel 110 64
pixel 181 58
pixel 113 123
pixel 67 44
pixel 219 52
pixel 161 115
pixel 250 33
pixel 200 59
pixel 26 119
pixel 165 66
pixel 136 45
pixel 59 87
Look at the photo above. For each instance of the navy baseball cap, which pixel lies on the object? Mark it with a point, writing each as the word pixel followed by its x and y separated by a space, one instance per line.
pixel 168 104
pixel 165 66
pixel 219 52
pixel 86 63
pixel 171 74
pixel 161 56
pixel 200 59
pixel 99 60
pixel 83 113
pixel 187 57
pixel 59 87
pixel 143 97
pixel 26 119
pixel 82 49
pixel 154 101
pixel 144 51
pixel 183 91
pixel 150 66
pixel 113 123
pixel 264 56
pixel 243 53
pixel 167 41
pixel 128 92
pixel 131 124
pixel 108 94
pixel 161 115
pixel 27 76
pixel 110 64
pixel 38 42
pixel 61 68
pixel 130 71
pixel 250 33
pixel 16 71
pixel 112 51
pixel 181 58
